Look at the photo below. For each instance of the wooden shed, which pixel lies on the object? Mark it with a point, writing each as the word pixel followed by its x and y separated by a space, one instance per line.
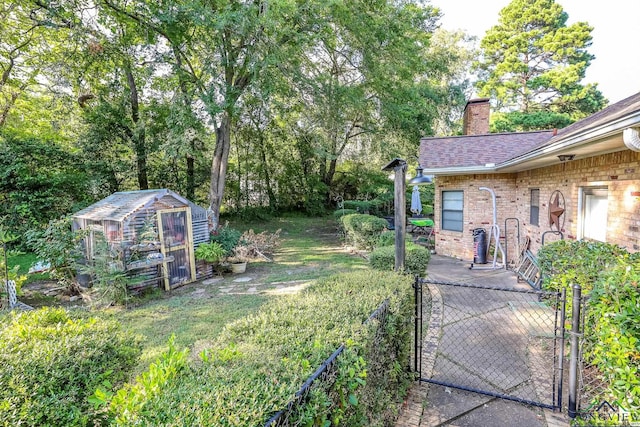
pixel 153 232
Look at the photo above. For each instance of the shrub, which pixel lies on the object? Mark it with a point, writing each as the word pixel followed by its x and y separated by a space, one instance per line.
pixel 342 212
pixel 108 277
pixel 258 363
pixel 416 259
pixel 51 362
pixel 609 275
pixel 60 246
pixel 360 206
pixel 210 252
pixel 564 263
pixel 387 238
pixel 613 343
pixel 227 237
pixel 362 230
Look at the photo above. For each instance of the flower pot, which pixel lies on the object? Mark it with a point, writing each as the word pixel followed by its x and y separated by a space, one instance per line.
pixel 238 267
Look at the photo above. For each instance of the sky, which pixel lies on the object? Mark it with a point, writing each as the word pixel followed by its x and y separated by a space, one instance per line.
pixel 616 36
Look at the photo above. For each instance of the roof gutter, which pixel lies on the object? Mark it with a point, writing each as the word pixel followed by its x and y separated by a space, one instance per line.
pixel 582 138
pixel 488 168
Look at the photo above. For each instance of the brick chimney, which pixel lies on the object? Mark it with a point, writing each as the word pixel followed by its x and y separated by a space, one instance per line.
pixel 476 117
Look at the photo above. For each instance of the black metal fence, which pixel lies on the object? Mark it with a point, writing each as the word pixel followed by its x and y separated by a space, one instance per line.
pixel 326 374
pixel 590 399
pixel 506 343
pixel 516 344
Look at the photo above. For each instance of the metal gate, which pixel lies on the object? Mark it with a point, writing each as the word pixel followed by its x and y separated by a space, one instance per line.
pixel 504 343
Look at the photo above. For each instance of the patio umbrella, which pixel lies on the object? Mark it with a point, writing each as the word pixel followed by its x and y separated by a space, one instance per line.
pixel 416 204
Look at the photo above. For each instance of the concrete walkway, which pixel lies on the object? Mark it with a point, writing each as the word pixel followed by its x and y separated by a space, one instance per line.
pixel 435 405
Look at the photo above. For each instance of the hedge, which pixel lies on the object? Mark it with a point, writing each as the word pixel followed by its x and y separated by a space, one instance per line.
pixel 51 362
pixel 257 364
pixel 339 213
pixel 416 258
pixel 363 231
pixel 610 277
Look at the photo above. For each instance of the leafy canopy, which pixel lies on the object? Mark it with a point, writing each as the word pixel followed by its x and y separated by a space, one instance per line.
pixel 533 61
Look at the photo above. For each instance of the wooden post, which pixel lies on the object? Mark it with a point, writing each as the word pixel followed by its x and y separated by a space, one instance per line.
pixel 400 207
pixel 399 167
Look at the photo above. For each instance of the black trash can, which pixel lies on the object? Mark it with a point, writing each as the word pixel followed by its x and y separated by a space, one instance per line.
pixel 479 246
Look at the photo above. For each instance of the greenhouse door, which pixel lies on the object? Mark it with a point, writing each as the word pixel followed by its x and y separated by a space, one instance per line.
pixel 177 246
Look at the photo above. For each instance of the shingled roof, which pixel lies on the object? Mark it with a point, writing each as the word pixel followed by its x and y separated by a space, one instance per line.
pixel 488 152
pixel 478 150
pixel 607 115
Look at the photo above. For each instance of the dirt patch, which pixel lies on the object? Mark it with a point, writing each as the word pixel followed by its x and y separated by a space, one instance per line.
pixel 46 293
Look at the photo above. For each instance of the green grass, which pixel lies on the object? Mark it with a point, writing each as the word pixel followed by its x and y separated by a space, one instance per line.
pixel 187 319
pixel 25 261
pixel 310 249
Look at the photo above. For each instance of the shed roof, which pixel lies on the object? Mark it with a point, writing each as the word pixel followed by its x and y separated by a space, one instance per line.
pixel 120 205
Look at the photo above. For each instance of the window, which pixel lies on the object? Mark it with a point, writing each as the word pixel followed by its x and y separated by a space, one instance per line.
pixel 593 213
pixel 452 203
pixel 534 209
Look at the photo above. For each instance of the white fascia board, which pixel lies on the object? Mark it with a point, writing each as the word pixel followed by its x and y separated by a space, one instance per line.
pixel 460 170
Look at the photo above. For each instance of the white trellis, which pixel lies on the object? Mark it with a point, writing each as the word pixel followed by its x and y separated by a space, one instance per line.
pixel 11 300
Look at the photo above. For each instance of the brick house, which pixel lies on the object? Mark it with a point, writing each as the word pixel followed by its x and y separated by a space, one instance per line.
pixel 594 164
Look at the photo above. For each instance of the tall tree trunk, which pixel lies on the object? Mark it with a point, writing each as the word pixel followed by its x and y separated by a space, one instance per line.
pixel 191 175
pixel 138 133
pixel 219 168
pixel 186 99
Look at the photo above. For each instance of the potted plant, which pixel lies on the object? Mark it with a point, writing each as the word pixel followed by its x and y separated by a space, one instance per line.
pixel 211 252
pixel 241 255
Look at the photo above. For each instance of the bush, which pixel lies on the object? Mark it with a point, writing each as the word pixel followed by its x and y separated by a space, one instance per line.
pixel 227 237
pixel 360 206
pixel 258 363
pixel 342 212
pixel 614 338
pixel 13 273
pixel 51 362
pixel 416 259
pixel 564 263
pixel 61 247
pixel 363 231
pixel 210 252
pixel 387 238
pixel 609 275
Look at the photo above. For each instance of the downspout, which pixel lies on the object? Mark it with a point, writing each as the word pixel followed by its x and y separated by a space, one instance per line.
pixel 631 138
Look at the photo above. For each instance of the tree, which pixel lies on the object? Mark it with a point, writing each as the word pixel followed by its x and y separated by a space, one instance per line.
pixel 371 80
pixel 533 62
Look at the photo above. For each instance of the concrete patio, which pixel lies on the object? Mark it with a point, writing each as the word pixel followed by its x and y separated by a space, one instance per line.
pixel 436 405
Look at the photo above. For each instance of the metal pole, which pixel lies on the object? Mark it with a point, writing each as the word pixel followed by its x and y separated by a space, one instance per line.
pixel 575 351
pixel 417 331
pixel 563 314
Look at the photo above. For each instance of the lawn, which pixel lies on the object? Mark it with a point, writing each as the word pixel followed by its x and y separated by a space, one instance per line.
pixel 25 261
pixel 196 313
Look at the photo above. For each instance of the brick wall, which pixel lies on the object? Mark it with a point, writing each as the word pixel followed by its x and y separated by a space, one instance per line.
pixel 477 211
pixel 619 171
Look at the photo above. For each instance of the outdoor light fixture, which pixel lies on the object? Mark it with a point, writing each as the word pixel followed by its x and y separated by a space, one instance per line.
pixel 419 178
pixel 566 157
